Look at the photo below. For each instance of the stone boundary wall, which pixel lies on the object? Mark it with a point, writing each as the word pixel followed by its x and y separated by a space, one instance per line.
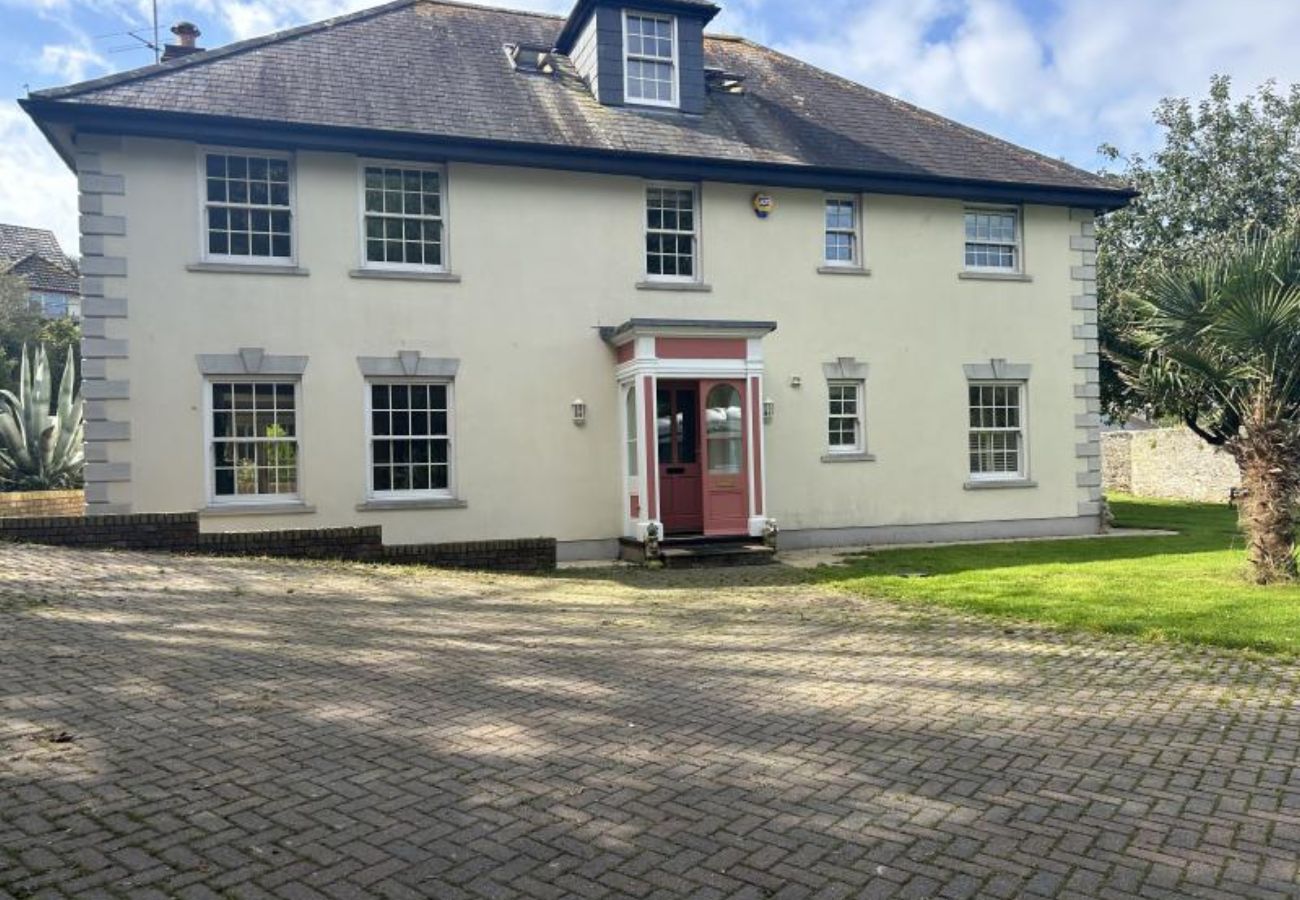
pixel 179 533
pixel 175 532
pixel 1169 464
pixel 357 544
pixel 36 504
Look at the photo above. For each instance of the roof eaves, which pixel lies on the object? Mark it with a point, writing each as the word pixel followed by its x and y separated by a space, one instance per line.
pixel 331 138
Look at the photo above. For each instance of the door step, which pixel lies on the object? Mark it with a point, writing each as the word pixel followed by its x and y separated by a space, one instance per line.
pixel 699 553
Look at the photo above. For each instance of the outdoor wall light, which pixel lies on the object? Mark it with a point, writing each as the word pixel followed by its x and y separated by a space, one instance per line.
pixel 579 412
pixel 796 381
pixel 769 409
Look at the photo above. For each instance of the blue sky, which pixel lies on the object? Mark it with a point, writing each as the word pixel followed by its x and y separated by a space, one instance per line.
pixel 1059 76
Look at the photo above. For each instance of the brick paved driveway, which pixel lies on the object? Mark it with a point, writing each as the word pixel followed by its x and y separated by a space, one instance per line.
pixel 205 728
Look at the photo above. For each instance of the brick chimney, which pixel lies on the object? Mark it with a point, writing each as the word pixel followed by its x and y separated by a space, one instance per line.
pixel 187 34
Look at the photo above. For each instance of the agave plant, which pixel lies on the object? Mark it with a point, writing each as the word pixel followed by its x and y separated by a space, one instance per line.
pixel 40 451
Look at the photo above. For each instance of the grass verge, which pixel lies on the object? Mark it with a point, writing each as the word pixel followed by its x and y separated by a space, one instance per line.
pixel 1187 588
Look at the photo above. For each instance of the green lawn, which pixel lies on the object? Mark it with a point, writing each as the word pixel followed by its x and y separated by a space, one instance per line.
pixel 1189 588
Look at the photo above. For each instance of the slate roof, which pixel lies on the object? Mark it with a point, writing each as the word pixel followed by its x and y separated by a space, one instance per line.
pixel 47 276
pixel 34 255
pixel 437 68
pixel 18 241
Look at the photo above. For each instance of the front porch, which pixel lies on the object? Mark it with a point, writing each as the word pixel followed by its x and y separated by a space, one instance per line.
pixel 691 396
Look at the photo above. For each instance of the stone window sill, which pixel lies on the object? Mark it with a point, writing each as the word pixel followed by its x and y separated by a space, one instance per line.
pixel 422 503
pixel 258 509
pixel 245 269
pixel 848 457
pixel 688 286
pixel 995 276
pixel 843 270
pixel 1001 485
pixel 399 275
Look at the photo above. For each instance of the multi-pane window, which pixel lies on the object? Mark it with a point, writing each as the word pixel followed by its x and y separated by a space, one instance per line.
pixel 670 239
pixel 410 438
pixel 254 440
pixel 247 211
pixel 841 231
pixel 650 63
pixel 997 432
pixel 992 239
pixel 403 217
pixel 845 417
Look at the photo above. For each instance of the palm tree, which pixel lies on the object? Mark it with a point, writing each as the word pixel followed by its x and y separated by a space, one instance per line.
pixel 1219 343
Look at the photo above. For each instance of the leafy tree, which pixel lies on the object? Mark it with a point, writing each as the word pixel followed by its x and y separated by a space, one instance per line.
pixel 1226 167
pixel 21 325
pixel 1218 339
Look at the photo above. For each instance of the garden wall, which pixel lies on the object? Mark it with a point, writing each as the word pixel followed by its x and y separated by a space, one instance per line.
pixel 179 533
pixel 42 503
pixel 1167 463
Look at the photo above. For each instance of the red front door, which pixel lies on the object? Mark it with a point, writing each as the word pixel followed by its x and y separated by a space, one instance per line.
pixel 726 454
pixel 677 422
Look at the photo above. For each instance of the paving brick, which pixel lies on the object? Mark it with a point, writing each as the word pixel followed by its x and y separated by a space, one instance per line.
pixel 254 729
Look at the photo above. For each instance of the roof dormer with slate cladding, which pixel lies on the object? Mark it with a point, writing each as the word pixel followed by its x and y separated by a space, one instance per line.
pixel 648 53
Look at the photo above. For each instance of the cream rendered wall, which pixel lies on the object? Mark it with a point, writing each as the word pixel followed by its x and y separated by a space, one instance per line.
pixel 546 257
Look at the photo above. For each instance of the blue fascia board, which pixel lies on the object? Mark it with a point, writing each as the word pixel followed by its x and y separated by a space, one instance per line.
pixel 217 130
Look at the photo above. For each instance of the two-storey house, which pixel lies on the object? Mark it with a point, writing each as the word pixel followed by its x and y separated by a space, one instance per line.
pixel 473 274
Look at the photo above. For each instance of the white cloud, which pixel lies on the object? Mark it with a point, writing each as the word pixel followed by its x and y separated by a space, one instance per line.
pixel 36 188
pixel 72 62
pixel 1091 72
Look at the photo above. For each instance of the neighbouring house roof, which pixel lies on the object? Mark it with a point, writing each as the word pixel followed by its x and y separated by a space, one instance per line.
pixel 436 69
pixel 18 241
pixel 47 276
pixel 34 255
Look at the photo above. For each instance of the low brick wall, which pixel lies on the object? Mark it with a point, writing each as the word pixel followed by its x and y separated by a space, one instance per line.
pixel 1167 463
pixel 36 504
pixel 177 532
pixel 357 544
pixel 524 555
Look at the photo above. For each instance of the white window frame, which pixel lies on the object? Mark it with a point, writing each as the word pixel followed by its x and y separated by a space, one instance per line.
pixel 855 232
pixel 1017 245
pixel 675 62
pixel 363 257
pixel 209 442
pixel 202 165
pixel 447 493
pixel 860 390
pixel 697 217
pixel 1022 472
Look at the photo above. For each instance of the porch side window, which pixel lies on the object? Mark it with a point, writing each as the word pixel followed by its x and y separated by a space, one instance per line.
pixel 997 431
pixel 254 451
pixel 672 223
pixel 993 240
pixel 404 217
pixel 247 210
pixel 633 451
pixel 724 429
pixel 410 438
pixel 845 417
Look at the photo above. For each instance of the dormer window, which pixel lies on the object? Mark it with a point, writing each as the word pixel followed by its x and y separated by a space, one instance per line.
pixel 650 59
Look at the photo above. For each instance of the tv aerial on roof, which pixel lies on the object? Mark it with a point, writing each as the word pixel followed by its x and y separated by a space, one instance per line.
pixel 142 40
